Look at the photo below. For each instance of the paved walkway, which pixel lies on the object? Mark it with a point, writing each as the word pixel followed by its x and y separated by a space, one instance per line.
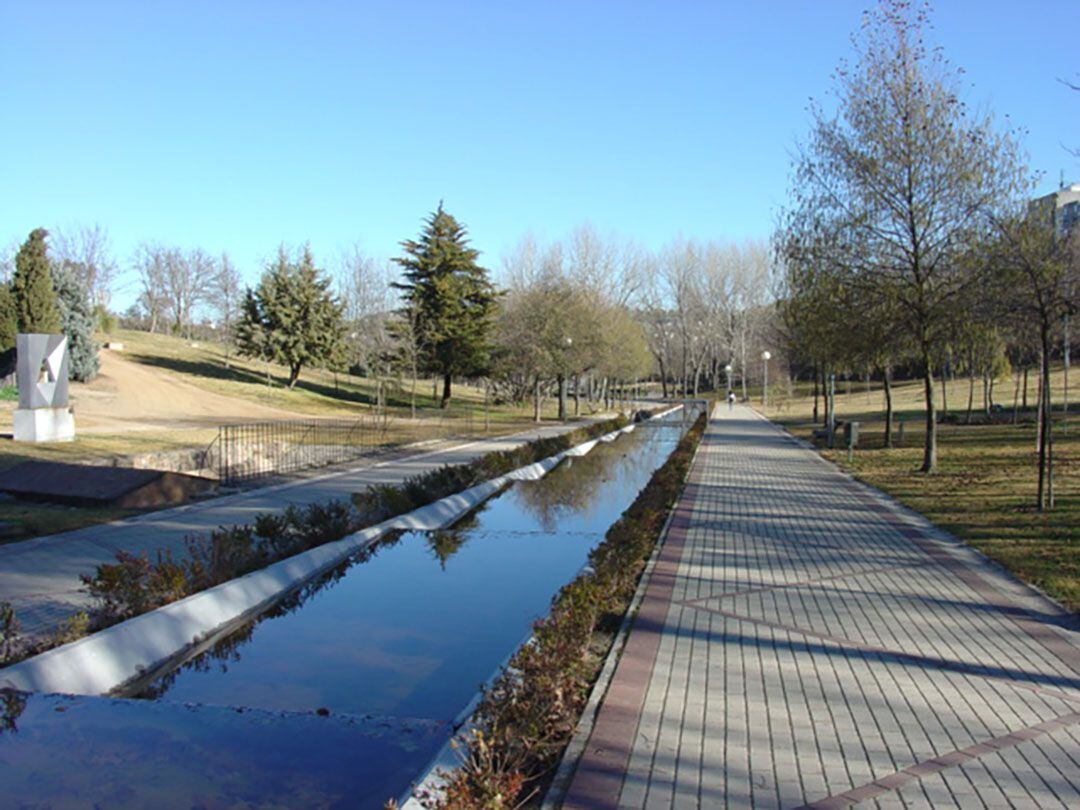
pixel 40 576
pixel 802 641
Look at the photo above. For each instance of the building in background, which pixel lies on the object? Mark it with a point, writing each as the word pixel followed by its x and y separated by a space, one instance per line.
pixel 1061 208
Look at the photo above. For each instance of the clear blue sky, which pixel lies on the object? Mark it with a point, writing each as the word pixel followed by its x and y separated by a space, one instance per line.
pixel 239 125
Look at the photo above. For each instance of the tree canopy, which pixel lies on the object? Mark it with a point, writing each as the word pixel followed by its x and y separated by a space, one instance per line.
pixel 32 287
pixel 292 318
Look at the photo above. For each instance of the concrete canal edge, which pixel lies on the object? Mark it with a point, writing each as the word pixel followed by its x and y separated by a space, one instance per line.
pixel 107 660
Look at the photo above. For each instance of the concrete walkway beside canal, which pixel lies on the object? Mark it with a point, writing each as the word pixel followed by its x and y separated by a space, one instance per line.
pixel 804 641
pixel 40 576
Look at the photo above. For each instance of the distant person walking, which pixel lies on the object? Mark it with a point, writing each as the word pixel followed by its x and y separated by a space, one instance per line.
pixel 730 400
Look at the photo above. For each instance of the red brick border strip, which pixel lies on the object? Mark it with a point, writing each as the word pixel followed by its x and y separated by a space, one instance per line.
pixel 894 781
pixel 599 777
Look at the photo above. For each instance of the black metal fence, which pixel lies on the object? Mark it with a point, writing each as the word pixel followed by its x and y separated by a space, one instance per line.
pixel 260 449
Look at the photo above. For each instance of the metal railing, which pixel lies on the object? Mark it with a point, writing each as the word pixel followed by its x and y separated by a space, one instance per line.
pixel 255 450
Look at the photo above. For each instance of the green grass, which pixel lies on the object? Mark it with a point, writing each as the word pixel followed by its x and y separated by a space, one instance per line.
pixel 9 393
pixel 23 519
pixel 984 491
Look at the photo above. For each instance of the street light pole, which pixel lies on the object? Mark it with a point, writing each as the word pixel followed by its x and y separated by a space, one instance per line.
pixel 765 357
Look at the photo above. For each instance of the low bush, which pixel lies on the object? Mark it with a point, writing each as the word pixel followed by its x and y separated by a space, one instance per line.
pixel 9 632
pixel 528 715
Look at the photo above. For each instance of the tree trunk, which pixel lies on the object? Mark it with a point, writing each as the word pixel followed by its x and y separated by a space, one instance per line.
pixel 944 396
pixel 815 375
pixel 887 375
pixel 577 395
pixel 930 444
pixel 1066 352
pixel 663 380
pixel 412 395
pixel 536 399
pixel 1024 405
pixel 294 374
pixel 971 395
pixel 561 379
pixel 986 393
pixel 1016 399
pixel 1045 421
pixel 445 392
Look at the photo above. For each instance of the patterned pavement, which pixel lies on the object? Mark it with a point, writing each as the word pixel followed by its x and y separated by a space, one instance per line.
pixel 803 641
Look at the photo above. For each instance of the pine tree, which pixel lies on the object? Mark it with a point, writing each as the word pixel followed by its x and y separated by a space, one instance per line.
pixel 31 284
pixel 452 299
pixel 8 318
pixel 77 320
pixel 292 318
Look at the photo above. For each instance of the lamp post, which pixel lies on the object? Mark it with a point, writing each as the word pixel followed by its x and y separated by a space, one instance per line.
pixel 727 370
pixel 765 357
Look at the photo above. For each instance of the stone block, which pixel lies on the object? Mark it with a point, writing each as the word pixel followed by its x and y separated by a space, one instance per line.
pixel 43 425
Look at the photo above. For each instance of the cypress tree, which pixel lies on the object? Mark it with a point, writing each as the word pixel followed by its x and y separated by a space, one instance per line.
pixel 451 299
pixel 31 284
pixel 8 318
pixel 77 321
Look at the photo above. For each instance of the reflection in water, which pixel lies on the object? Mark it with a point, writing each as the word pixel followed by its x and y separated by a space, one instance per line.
pixel 445 543
pixel 12 705
pixel 227 648
pixel 575 487
pixel 82 752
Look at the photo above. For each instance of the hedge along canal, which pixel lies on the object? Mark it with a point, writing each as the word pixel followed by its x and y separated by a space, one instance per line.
pixel 368 666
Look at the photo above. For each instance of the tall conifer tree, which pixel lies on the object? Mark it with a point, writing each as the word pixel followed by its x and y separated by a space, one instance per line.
pixel 452 299
pixel 31 284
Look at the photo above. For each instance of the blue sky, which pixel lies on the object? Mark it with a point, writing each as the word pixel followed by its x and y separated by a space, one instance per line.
pixel 240 125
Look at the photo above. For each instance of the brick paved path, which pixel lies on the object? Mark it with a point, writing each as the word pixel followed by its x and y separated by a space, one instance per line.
pixel 804 642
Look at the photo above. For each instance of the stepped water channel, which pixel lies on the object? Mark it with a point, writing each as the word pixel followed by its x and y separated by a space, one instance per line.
pixel 342 693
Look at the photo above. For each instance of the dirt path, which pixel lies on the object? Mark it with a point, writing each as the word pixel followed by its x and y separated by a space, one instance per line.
pixel 127 396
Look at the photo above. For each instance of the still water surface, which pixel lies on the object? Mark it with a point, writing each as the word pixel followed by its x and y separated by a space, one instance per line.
pixel 359 675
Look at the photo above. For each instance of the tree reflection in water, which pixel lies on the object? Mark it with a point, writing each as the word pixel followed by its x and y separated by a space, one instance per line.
pixel 445 543
pixel 227 649
pixel 573 488
pixel 12 705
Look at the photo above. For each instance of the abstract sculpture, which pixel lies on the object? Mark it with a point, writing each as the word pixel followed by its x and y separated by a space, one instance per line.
pixel 41 373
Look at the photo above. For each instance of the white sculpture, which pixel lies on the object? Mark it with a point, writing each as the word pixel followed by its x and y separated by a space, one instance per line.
pixel 41 373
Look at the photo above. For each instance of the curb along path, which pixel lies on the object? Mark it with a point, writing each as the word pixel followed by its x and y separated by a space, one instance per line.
pixel 805 642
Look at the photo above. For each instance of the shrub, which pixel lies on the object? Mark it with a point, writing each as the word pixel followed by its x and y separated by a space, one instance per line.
pixel 71 629
pixel 133 585
pixel 9 631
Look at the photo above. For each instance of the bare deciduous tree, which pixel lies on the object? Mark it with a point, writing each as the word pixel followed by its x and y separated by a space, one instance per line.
pixel 88 250
pixel 906 175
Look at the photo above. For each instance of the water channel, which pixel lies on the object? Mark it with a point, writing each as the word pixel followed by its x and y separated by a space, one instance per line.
pixel 342 693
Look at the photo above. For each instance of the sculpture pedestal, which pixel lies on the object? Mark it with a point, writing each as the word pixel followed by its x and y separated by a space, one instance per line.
pixel 44 425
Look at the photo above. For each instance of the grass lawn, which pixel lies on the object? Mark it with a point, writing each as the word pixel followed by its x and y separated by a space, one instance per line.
pixel 984 492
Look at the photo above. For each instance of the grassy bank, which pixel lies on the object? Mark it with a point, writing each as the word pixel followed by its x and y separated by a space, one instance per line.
pixel 984 492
